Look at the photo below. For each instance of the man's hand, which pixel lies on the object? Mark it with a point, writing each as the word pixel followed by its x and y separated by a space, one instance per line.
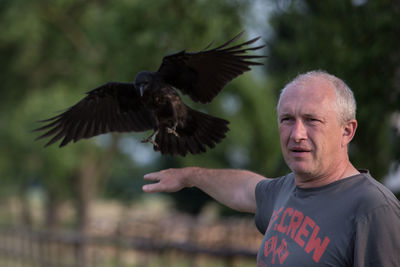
pixel 170 180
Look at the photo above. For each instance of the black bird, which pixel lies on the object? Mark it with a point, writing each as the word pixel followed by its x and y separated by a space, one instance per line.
pixel 151 103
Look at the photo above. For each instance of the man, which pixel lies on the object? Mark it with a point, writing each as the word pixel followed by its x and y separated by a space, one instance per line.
pixel 324 213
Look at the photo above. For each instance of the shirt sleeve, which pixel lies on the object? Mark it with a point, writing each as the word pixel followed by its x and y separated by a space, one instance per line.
pixel 377 238
pixel 261 217
pixel 266 193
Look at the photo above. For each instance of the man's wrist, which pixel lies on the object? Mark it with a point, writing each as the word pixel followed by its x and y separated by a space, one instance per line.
pixel 191 176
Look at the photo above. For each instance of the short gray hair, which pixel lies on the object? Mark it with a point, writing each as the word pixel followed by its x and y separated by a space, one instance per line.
pixel 345 101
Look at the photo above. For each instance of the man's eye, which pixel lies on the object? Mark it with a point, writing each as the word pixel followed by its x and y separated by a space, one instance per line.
pixel 314 120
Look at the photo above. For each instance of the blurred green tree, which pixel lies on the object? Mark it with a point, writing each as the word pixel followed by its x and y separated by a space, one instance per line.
pixel 54 51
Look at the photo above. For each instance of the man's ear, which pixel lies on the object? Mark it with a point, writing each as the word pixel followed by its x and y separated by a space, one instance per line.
pixel 349 130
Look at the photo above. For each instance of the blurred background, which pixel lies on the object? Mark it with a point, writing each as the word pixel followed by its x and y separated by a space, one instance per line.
pixel 82 205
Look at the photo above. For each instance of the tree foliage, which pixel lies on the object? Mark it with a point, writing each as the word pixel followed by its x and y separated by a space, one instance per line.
pixel 52 52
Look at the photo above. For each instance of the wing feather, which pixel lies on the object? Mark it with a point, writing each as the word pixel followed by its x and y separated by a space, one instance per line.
pixel 112 107
pixel 202 75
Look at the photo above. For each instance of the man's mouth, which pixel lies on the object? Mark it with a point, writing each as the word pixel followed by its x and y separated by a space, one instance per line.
pixel 299 150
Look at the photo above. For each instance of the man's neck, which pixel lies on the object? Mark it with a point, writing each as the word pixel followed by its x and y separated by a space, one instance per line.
pixel 305 181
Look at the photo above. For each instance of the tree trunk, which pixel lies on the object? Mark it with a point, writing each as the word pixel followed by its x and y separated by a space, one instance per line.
pixel 86 180
pixel 26 215
pixel 52 222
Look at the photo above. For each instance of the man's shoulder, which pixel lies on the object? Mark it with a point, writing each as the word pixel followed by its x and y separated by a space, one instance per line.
pixel 277 183
pixel 374 190
pixel 369 194
pixel 267 190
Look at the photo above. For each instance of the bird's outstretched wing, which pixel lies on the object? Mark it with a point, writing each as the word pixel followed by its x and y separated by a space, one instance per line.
pixel 200 131
pixel 112 107
pixel 202 75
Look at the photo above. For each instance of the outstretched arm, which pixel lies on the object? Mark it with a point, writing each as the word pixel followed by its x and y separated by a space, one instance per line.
pixel 233 188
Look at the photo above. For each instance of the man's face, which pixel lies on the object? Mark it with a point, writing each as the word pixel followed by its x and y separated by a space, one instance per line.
pixel 309 128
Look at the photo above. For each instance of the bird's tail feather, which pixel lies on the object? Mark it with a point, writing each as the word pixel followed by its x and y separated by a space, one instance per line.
pixel 199 132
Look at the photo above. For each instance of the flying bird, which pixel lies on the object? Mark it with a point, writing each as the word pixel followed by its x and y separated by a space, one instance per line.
pixel 152 103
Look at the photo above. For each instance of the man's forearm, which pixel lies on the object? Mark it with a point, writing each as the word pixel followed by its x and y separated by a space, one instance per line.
pixel 233 188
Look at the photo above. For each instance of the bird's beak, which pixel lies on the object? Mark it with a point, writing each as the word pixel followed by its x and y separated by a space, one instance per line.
pixel 141 89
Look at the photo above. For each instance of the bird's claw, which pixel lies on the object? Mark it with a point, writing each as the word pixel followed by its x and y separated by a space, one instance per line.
pixel 150 140
pixel 172 131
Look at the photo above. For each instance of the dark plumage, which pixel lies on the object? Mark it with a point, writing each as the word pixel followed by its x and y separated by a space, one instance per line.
pixel 151 103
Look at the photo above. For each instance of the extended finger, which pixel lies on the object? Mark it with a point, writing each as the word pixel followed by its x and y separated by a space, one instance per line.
pixel 154 176
pixel 156 187
pixel 150 188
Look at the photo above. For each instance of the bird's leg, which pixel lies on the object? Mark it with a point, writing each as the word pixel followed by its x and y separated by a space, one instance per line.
pixel 173 129
pixel 150 139
pixel 175 119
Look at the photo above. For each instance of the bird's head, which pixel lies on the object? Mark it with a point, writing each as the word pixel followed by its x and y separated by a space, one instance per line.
pixel 144 80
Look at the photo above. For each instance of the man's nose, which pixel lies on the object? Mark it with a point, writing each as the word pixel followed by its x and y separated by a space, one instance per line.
pixel 299 131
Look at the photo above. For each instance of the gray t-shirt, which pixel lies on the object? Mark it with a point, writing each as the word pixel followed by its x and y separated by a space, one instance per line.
pixel 351 222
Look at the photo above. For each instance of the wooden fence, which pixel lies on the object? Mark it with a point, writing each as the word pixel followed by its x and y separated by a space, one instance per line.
pixel 223 244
